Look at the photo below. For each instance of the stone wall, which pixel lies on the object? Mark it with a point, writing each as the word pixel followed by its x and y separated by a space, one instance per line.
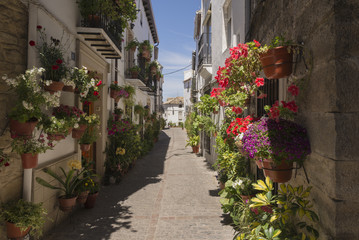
pixel 328 100
pixel 13 55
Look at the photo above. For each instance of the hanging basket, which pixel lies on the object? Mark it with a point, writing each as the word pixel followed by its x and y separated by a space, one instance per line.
pixel 54 87
pixel 146 54
pixel 113 93
pixel 277 62
pixel 85 147
pixel 78 132
pixel 29 160
pixel 20 129
pixel 67 204
pixel 55 137
pixel 14 232
pixel 91 200
pixel 279 173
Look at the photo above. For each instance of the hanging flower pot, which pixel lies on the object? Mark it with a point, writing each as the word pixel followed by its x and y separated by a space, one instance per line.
pixel 20 129
pixel 14 232
pixel 29 160
pixel 68 89
pixel 67 204
pixel 91 200
pixel 113 93
pixel 279 173
pixel 146 54
pixel 78 132
pixel 82 197
pixel 277 62
pixel 153 70
pixel 85 147
pixel 54 87
pixel 55 137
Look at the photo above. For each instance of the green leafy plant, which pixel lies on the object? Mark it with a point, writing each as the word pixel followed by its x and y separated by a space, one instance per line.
pixel 193 141
pixel 4 159
pixel 88 84
pixel 132 45
pixel 90 135
pixel 31 145
pixel 24 214
pixel 134 69
pixel 207 105
pixel 53 125
pixel 72 179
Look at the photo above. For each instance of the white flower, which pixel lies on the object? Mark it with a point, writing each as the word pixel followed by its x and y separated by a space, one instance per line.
pixel 237 183
pixel 27 105
pixel 76 125
pixel 48 82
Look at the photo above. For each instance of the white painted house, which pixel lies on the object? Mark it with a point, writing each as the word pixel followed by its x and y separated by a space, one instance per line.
pixel 187 83
pixel 174 110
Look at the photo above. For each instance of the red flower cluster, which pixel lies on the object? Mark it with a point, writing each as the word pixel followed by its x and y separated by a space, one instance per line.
pixel 291 106
pixel 293 89
pixel 240 125
pixel 237 110
pixel 55 67
pixel 65 111
pixel 216 92
pixel 239 51
pixel 259 82
pixel 274 111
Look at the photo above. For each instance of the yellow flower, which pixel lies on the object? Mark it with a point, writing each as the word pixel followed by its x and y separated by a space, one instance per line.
pixel 74 164
pixel 86 184
pixel 120 151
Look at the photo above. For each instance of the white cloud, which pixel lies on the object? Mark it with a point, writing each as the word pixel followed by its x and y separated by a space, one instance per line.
pixel 173 60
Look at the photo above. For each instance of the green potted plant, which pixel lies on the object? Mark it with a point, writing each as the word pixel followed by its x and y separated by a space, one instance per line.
pixel 56 129
pixel 93 193
pixel 145 48
pixel 277 60
pixel 21 216
pixel 208 105
pixel 91 133
pixel 71 115
pixel 30 101
pixel 29 149
pixel 153 66
pixel 193 141
pixel 88 84
pixel 276 145
pixel 67 183
pixel 132 45
pixel 134 71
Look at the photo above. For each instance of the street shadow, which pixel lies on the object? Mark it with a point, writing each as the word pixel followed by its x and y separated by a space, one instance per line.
pixel 110 215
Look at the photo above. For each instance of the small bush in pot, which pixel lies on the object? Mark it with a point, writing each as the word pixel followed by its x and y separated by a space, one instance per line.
pixel 24 215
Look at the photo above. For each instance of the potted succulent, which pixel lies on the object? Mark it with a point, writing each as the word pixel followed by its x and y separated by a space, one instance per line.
pixel 21 216
pixel 134 71
pixel 132 45
pixel 277 60
pixel 29 149
pixel 193 141
pixel 276 145
pixel 30 100
pixel 56 129
pixel 67 183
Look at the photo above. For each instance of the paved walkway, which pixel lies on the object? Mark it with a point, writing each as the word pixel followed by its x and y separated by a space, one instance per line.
pixel 171 194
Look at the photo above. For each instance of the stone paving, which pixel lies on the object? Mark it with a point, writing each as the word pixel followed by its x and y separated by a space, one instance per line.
pixel 170 194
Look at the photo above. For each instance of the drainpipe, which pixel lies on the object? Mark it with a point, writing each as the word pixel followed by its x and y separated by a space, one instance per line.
pixel 31 61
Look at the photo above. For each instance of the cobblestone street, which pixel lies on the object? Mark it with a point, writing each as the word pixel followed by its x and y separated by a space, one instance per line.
pixel 169 194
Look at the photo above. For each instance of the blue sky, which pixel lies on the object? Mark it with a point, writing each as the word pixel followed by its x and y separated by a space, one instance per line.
pixel 175 26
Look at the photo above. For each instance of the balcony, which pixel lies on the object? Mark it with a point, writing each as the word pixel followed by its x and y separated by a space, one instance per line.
pixel 102 34
pixel 205 55
pixel 148 84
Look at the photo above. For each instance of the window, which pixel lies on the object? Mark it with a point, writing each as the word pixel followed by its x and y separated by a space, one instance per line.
pixel 227 20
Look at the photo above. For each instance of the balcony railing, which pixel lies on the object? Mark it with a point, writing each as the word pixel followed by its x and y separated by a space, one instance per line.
pixel 112 28
pixel 204 49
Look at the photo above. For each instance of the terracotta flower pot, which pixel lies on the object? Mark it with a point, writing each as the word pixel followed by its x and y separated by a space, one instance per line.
pixel 22 129
pixel 134 75
pixel 54 87
pixel 85 147
pixel 146 54
pixel 78 132
pixel 153 70
pixel 55 137
pixel 195 149
pixel 67 204
pixel 68 89
pixel 221 185
pixel 29 160
pixel 82 197
pixel 277 62
pixel 113 93
pixel 91 200
pixel 280 173
pixel 14 232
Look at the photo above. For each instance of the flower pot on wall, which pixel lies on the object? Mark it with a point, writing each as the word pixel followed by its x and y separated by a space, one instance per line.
pixel 22 129
pixel 55 137
pixel 277 62
pixel 68 89
pixel 146 54
pixel 14 232
pixel 29 160
pixel 85 147
pixel 279 173
pixel 67 204
pixel 91 200
pixel 78 132
pixel 54 87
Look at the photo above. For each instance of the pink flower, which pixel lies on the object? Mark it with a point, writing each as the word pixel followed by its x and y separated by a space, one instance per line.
pixel 293 89
pixel 259 82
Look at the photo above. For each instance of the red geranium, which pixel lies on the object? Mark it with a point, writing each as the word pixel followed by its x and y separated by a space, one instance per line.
pixel 259 82
pixel 293 89
pixel 32 43
pixel 237 110
pixel 55 67
pixel 239 125
pixel 58 61
pixel 95 93
pixel 39 27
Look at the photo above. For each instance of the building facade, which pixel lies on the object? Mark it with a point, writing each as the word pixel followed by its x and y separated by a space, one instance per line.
pixel 97 47
pixel 174 111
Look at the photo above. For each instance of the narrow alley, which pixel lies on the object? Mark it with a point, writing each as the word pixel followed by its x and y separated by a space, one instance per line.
pixel 169 194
